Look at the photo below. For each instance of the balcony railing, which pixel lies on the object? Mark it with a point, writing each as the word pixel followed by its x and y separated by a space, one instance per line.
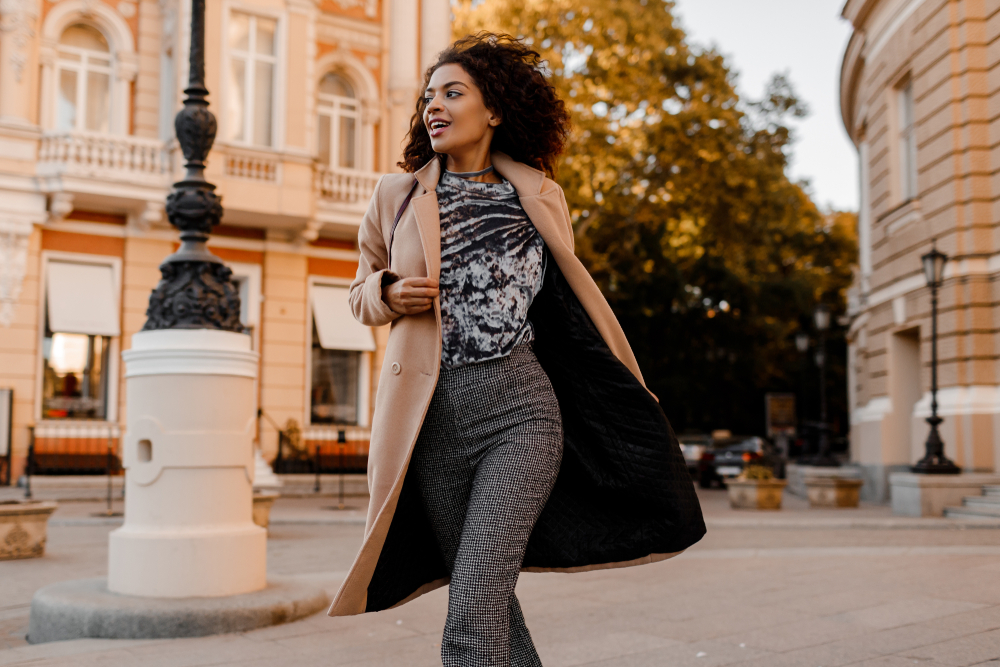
pixel 252 167
pixel 128 159
pixel 344 185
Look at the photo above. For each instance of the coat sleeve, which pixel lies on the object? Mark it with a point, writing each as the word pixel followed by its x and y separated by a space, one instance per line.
pixel 373 271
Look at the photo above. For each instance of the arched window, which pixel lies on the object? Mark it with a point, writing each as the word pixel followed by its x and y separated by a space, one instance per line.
pixel 84 68
pixel 339 123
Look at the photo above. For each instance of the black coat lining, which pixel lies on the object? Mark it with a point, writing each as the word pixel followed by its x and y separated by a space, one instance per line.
pixel 623 490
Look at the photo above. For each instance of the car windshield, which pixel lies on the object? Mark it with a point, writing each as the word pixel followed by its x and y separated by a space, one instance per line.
pixel 751 444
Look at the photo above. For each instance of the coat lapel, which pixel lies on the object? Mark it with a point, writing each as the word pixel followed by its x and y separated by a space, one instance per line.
pixel 543 209
pixel 425 207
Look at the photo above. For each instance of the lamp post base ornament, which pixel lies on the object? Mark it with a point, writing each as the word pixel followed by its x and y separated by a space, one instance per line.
pixel 194 295
pixel 935 462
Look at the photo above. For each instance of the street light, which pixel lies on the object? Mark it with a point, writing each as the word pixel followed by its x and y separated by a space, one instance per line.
pixel 802 342
pixel 934 461
pixel 196 290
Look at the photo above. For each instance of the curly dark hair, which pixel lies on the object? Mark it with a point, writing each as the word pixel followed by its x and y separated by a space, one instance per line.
pixel 534 121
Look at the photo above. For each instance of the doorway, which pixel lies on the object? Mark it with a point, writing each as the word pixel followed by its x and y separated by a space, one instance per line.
pixel 904 392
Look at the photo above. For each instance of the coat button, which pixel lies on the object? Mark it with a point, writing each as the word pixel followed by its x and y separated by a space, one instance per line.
pixel 395 368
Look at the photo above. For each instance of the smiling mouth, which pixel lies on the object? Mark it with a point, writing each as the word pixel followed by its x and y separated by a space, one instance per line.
pixel 437 127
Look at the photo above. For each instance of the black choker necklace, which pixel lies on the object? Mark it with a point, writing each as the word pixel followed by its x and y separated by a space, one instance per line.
pixel 470 174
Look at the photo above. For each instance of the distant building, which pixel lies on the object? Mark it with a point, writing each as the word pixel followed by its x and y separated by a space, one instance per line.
pixel 313 99
pixel 920 95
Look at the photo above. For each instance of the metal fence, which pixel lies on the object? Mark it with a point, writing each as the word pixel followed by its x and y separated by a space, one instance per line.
pixel 75 448
pixel 321 449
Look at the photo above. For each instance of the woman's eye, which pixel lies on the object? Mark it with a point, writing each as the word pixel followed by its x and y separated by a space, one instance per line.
pixel 455 92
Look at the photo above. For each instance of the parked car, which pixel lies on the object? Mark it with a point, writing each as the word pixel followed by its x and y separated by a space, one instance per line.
pixel 693 446
pixel 725 457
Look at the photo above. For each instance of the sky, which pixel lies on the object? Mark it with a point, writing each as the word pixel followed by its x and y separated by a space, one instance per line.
pixel 804 39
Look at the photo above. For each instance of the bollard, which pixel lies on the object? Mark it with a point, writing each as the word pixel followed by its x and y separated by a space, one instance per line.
pixel 316 486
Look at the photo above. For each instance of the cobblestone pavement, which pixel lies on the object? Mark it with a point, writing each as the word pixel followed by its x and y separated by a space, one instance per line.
pixel 796 588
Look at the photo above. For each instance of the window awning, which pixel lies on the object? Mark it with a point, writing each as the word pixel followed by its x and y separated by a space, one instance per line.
pixel 82 299
pixel 335 323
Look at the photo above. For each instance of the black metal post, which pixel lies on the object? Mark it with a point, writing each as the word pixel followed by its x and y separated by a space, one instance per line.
pixel 29 464
pixel 823 457
pixel 109 472
pixel 341 441
pixel 196 290
pixel 316 487
pixel 934 461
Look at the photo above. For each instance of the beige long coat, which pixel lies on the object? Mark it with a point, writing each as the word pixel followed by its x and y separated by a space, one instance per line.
pixel 413 354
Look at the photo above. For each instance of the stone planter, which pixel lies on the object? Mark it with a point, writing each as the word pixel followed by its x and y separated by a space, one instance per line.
pixel 262 503
pixel 833 491
pixel 23 528
pixel 755 494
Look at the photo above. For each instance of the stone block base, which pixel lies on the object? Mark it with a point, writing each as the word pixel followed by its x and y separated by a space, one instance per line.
pixel 928 495
pixel 24 528
pixel 755 494
pixel 796 475
pixel 262 503
pixel 833 491
pixel 84 608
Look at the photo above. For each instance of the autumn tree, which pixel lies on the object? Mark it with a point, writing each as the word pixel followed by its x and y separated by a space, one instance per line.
pixel 710 256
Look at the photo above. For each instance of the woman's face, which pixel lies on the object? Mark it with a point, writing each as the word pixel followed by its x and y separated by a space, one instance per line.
pixel 455 116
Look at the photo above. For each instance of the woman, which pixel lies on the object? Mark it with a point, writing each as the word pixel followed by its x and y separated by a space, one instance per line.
pixel 512 428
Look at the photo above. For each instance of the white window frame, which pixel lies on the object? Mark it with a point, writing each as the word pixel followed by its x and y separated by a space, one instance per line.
pixel 81 69
pixel 364 372
pixel 332 106
pixel 248 277
pixel 114 352
pixel 249 57
pixel 906 109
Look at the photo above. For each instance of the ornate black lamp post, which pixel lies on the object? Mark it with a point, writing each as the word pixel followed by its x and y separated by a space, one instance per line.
pixel 934 461
pixel 821 318
pixel 196 290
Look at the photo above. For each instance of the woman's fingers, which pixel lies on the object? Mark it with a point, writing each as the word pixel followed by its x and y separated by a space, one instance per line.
pixel 410 296
pixel 425 292
pixel 420 282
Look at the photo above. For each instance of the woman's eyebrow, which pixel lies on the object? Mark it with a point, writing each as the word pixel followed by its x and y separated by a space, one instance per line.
pixel 446 86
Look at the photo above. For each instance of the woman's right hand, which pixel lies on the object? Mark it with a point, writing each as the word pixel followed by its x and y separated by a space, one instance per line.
pixel 409 296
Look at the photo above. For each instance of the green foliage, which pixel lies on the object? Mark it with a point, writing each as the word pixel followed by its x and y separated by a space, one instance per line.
pixel 711 258
pixel 756 472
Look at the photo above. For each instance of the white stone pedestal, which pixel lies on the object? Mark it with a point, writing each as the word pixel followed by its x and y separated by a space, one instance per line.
pixel 928 495
pixel 263 475
pixel 188 456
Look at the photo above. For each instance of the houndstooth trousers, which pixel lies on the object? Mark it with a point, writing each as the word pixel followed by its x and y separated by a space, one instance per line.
pixel 487 458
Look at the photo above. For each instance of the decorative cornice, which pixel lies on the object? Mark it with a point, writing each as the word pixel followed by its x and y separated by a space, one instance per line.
pixel 18 18
pixel 370 6
pixel 339 32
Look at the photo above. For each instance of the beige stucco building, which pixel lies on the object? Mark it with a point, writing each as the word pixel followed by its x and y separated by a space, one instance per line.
pixel 920 98
pixel 313 99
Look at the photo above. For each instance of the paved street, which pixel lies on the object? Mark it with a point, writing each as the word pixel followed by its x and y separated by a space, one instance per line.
pixel 797 588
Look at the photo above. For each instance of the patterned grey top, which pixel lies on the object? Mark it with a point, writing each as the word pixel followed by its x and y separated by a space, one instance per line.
pixel 492 264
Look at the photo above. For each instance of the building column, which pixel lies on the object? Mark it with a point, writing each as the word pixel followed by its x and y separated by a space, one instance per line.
pixel 435 30
pixel 404 74
pixel 18 28
pixel 864 221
